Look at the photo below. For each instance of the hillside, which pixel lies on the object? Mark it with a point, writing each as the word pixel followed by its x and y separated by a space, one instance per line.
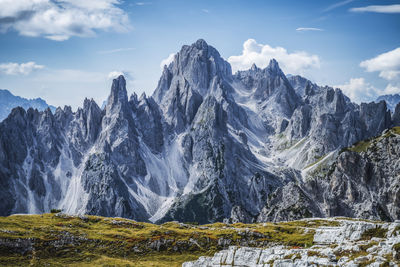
pixel 59 239
pixel 62 240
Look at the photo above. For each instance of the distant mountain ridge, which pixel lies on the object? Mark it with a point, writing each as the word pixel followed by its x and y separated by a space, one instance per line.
pixel 391 100
pixel 207 146
pixel 8 101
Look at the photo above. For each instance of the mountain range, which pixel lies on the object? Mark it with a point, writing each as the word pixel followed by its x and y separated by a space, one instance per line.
pixel 8 101
pixel 391 100
pixel 207 146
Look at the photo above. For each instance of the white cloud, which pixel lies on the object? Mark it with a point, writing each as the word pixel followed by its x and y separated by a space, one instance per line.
pixel 115 74
pixel 16 68
pixel 61 19
pixel 117 50
pixel 167 61
pixel 392 89
pixel 301 29
pixel 378 9
pixel 337 5
pixel 143 3
pixel 293 63
pixel 387 64
pixel 205 10
pixel 358 90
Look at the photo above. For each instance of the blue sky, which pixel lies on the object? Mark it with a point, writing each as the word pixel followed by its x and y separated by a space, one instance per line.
pixel 66 50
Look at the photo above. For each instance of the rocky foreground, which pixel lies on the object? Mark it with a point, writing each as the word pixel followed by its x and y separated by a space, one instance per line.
pixel 352 243
pixel 64 240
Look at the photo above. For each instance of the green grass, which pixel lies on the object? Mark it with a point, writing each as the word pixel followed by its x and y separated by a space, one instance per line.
pixel 61 240
pixel 363 146
pixel 374 232
pixel 318 160
pixel 396 247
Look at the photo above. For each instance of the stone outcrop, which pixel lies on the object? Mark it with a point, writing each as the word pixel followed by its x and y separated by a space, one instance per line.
pixel 353 243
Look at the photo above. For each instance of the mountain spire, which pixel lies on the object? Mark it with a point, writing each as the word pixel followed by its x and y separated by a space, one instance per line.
pixel 118 95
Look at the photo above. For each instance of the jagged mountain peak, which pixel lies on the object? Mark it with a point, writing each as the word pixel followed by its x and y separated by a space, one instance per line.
pixel 143 96
pixel 302 86
pixel 118 95
pixel 16 113
pixel 273 66
pixel 206 146
pixel 271 71
pixel 194 67
pixel 254 67
pixel 134 98
pixel 201 44
pixel 89 103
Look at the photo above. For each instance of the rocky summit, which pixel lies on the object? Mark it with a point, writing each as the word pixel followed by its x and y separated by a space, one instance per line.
pixel 207 146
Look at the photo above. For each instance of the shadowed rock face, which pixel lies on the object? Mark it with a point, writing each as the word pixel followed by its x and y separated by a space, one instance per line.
pixel 207 146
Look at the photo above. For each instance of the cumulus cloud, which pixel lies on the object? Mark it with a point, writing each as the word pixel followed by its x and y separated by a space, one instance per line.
pixel 115 74
pixel 392 89
pixel 61 19
pixel 358 90
pixel 260 54
pixel 167 61
pixel 301 29
pixel 16 68
pixel 387 64
pixel 391 9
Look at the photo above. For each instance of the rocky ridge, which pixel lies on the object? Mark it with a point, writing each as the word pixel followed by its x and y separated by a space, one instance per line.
pixel 8 101
pixel 391 100
pixel 207 146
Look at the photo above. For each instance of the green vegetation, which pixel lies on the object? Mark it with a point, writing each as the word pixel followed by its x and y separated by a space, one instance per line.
pixel 363 146
pixel 396 230
pixel 293 256
pixel 396 247
pixel 312 253
pixel 374 232
pixel 358 220
pixel 317 160
pixel 315 223
pixel 57 239
pixel 55 211
pixel 294 144
pixel 368 245
pixel 351 254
